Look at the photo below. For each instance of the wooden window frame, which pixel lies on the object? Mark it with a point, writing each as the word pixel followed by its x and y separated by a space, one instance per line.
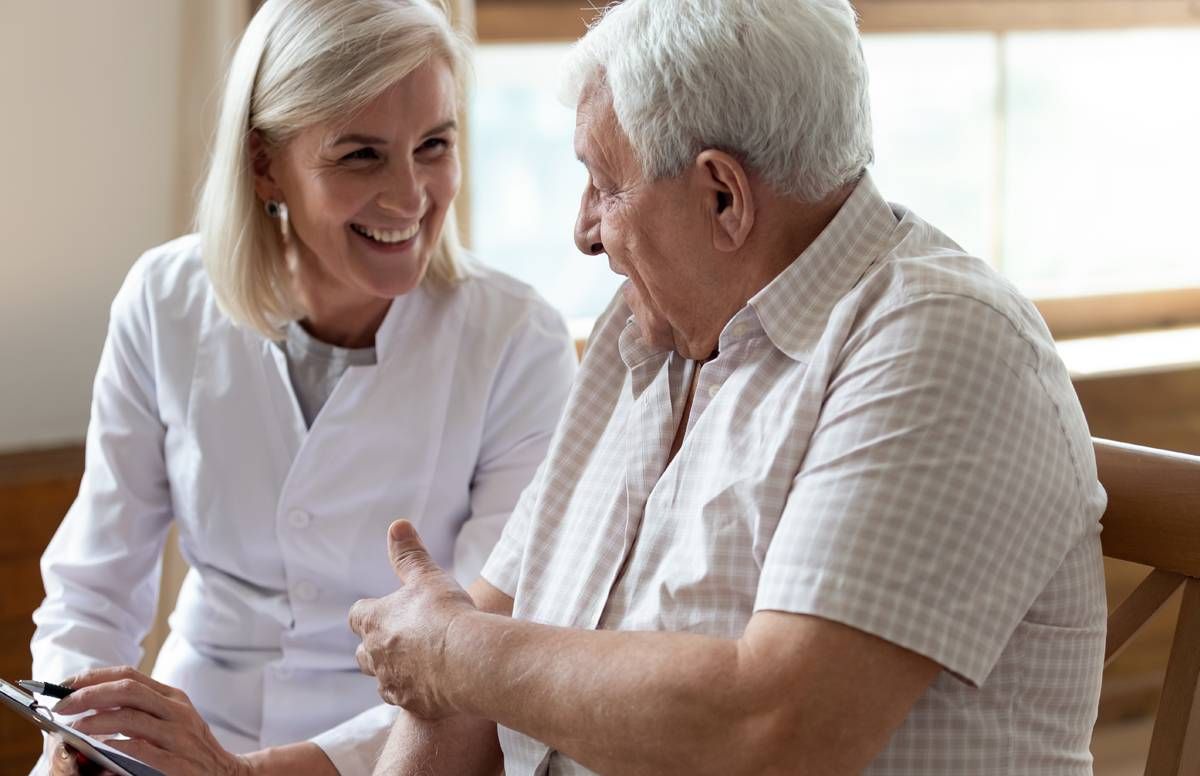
pixel 531 21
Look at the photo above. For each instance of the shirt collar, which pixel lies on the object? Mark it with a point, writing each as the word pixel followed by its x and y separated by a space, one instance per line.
pixel 405 314
pixel 642 359
pixel 794 307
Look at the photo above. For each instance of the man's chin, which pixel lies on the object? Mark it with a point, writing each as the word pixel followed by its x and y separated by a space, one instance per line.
pixel 656 330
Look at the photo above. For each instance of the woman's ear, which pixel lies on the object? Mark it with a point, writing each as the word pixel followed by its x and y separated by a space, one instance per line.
pixel 731 200
pixel 261 158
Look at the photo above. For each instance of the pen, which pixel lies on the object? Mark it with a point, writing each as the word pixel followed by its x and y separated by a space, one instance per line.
pixel 45 688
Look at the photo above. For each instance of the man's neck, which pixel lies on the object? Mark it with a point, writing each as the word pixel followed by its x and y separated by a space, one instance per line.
pixel 793 226
pixel 784 231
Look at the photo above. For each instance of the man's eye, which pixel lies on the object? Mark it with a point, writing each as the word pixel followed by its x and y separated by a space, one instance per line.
pixel 360 154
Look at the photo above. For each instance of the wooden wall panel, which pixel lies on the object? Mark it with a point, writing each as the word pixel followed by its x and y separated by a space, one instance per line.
pixel 1157 409
pixel 1089 316
pixel 35 491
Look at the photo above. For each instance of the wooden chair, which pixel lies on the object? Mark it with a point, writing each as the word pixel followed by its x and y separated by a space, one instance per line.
pixel 1153 518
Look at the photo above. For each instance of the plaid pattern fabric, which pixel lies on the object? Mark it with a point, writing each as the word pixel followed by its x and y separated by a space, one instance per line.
pixel 887 439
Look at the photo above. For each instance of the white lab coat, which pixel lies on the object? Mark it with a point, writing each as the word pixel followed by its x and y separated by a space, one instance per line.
pixel 195 420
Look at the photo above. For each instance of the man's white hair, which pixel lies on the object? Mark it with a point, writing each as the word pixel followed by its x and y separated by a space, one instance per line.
pixel 780 84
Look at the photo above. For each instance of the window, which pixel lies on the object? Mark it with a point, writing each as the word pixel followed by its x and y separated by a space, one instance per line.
pixel 526 182
pixel 1065 157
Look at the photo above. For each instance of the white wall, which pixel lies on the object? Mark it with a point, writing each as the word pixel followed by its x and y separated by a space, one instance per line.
pixel 103 124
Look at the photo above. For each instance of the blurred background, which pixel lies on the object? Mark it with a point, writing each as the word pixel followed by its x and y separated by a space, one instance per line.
pixel 1057 139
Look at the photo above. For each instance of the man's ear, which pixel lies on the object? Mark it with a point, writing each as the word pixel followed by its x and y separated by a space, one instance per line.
pixel 261 157
pixel 730 199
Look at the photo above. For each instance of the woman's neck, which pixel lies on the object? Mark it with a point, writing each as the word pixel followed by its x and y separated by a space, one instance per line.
pixel 335 314
pixel 351 327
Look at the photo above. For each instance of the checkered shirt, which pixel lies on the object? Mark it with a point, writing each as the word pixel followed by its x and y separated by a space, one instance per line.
pixel 886 439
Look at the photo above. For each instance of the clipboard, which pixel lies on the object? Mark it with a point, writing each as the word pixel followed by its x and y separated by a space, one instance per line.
pixel 26 706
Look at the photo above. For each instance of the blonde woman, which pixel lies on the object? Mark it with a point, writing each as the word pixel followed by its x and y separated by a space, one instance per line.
pixel 317 361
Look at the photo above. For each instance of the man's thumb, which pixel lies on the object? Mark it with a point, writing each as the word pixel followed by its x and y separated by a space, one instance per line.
pixel 405 549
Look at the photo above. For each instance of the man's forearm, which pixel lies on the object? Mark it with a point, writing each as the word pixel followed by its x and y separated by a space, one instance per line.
pixel 795 693
pixel 650 703
pixel 302 757
pixel 456 746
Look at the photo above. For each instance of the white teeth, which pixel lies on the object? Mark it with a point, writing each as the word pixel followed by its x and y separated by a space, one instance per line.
pixel 389 236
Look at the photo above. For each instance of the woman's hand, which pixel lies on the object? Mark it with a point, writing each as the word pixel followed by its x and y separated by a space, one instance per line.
pixel 65 761
pixel 164 730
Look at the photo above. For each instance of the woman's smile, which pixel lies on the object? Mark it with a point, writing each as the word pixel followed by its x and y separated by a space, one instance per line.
pixel 387 240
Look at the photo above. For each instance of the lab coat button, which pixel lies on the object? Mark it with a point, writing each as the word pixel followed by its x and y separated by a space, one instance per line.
pixel 712 391
pixel 298 518
pixel 306 591
pixel 739 330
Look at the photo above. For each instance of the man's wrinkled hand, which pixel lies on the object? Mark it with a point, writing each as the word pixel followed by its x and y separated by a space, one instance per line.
pixel 404 634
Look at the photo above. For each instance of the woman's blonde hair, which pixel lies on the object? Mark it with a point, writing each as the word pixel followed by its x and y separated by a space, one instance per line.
pixel 301 63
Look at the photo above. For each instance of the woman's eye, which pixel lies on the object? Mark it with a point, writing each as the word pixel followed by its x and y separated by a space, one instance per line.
pixel 434 144
pixel 360 154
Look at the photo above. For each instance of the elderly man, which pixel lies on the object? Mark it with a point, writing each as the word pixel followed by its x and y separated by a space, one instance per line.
pixel 823 500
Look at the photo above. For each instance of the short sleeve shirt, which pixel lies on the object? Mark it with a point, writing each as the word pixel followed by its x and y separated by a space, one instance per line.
pixel 887 439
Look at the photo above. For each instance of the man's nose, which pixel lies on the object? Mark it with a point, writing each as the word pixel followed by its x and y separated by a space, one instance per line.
pixel 587 229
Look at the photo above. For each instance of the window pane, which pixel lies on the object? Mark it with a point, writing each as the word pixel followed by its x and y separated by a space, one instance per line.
pixel 933 103
pixel 1067 159
pixel 1103 161
pixel 525 179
